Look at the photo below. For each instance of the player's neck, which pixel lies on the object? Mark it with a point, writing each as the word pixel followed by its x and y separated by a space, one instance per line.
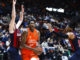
pixel 32 30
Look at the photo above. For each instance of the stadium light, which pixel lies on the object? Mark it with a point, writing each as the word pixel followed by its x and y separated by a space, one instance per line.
pixel 54 9
pixel 49 9
pixel 61 10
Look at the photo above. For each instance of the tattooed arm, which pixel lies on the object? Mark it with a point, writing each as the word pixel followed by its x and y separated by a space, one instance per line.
pixel 23 43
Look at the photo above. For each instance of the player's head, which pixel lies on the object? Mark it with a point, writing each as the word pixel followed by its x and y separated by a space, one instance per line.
pixel 31 24
pixel 71 35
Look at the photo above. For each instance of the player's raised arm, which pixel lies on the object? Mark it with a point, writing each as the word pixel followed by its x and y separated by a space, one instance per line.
pixel 12 22
pixel 21 17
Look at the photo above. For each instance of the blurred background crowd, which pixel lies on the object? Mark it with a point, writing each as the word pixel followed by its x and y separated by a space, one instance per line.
pixel 54 47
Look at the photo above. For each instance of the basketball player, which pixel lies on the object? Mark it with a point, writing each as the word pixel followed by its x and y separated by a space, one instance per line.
pixel 13 27
pixel 30 38
pixel 74 41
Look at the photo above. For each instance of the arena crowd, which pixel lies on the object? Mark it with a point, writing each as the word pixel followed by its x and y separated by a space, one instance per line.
pixel 54 47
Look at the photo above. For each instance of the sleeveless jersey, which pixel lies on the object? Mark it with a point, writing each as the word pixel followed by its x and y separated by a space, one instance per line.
pixel 15 41
pixel 75 43
pixel 31 41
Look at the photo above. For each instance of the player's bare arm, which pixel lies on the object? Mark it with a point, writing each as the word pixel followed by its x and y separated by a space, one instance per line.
pixel 21 17
pixel 71 35
pixel 12 22
pixel 38 45
pixel 22 12
pixel 50 28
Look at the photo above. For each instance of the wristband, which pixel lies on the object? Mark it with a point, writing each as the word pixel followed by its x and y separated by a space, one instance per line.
pixel 18 24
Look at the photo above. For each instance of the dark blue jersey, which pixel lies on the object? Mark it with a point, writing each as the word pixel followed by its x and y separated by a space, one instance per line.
pixel 15 39
pixel 75 43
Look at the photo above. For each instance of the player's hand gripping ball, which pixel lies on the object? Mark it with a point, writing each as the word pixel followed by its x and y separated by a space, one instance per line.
pixel 39 50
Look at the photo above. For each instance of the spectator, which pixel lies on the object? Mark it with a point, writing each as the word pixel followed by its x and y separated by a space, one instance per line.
pixel 5 38
pixel 44 44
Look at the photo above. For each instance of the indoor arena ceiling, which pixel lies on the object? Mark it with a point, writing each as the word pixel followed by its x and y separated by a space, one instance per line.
pixel 66 4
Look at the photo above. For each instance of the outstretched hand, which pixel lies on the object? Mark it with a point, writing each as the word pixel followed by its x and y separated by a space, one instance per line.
pixel 14 2
pixel 22 8
pixel 22 13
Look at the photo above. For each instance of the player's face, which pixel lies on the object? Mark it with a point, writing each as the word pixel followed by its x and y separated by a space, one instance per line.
pixel 32 26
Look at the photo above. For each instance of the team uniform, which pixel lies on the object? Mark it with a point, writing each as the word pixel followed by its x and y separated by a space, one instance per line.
pixel 76 48
pixel 75 44
pixel 14 45
pixel 32 38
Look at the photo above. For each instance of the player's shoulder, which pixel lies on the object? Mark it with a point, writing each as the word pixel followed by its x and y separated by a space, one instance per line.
pixel 37 31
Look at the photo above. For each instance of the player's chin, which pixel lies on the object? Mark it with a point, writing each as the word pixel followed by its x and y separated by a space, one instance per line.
pixel 32 28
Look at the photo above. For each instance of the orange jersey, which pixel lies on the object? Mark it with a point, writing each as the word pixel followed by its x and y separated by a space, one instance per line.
pixel 31 41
